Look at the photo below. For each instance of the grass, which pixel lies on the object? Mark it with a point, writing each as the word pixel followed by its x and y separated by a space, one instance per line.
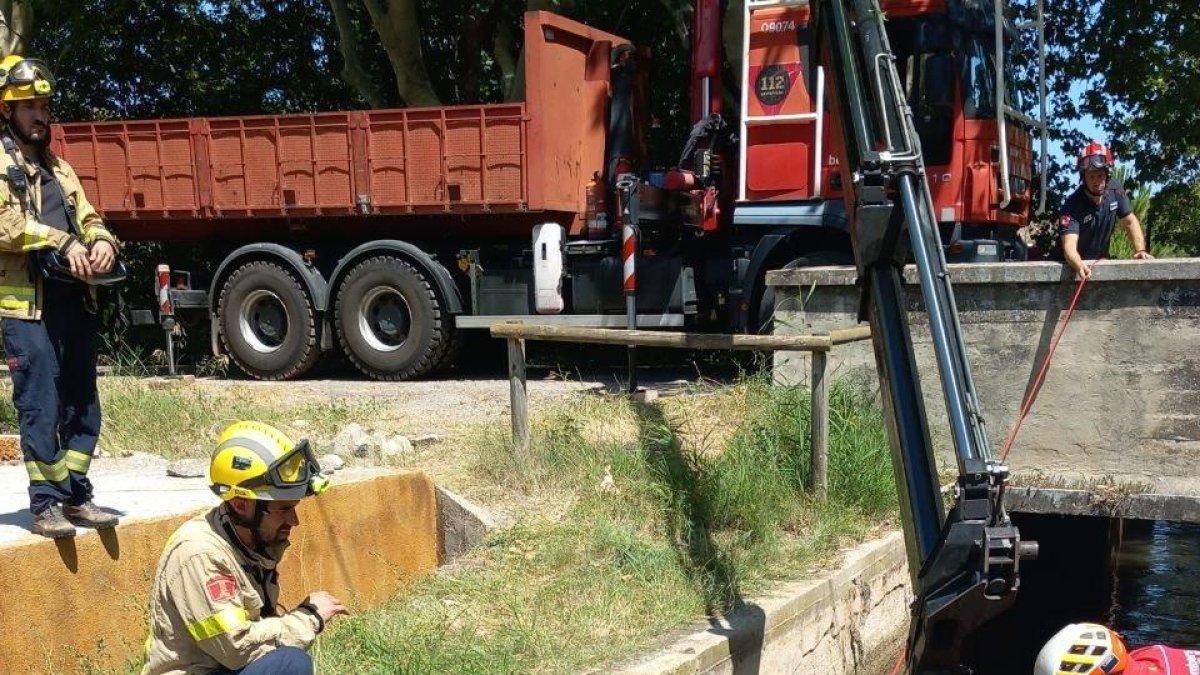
pixel 1103 484
pixel 182 421
pixel 631 520
pixel 595 571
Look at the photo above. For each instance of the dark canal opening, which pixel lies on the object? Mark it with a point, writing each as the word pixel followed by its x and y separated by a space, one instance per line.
pixel 1139 577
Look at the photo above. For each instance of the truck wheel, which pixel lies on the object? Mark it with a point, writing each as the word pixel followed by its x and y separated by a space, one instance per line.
pixel 268 322
pixel 390 320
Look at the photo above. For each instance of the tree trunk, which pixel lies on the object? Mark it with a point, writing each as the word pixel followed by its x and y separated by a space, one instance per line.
pixel 732 37
pixel 401 36
pixel 472 28
pixel 352 70
pixel 16 26
pixel 509 60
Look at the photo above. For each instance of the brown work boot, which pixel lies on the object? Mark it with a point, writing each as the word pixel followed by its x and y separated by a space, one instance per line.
pixel 88 514
pixel 51 523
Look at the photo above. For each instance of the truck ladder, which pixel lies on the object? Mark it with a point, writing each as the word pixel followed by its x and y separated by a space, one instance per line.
pixel 747 120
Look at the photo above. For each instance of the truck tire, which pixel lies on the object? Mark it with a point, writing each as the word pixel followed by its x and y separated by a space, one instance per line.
pixel 390 320
pixel 268 322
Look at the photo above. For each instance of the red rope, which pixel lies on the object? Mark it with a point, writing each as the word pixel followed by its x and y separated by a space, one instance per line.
pixel 899 667
pixel 1037 384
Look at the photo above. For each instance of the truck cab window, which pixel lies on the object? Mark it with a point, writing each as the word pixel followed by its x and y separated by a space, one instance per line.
pixel 934 107
pixel 979 79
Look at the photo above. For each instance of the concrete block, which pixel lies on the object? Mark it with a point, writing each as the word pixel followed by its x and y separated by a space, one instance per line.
pixel 462 525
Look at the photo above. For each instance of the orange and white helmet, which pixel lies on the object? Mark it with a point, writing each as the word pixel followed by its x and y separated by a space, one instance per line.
pixel 1083 648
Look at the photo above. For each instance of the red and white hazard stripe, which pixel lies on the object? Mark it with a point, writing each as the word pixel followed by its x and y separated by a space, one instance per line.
pixel 629 257
pixel 162 283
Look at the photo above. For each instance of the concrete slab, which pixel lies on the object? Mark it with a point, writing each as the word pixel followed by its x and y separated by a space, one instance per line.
pixel 1174 508
pixel 136 488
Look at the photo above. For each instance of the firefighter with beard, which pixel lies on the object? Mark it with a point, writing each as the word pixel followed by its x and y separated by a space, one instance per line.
pixel 214 606
pixel 50 326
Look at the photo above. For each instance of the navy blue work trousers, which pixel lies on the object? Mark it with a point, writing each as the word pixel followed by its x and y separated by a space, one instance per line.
pixel 52 363
pixel 281 661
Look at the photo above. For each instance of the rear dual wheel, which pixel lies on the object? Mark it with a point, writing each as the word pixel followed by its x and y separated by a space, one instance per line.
pixel 390 320
pixel 268 322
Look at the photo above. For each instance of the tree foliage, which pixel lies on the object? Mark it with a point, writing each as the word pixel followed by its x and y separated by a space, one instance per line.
pixel 1132 68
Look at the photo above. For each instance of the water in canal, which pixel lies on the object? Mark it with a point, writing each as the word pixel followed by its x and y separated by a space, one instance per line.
pixel 1143 578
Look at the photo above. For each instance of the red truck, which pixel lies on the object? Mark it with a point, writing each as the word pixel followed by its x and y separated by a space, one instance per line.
pixel 389 232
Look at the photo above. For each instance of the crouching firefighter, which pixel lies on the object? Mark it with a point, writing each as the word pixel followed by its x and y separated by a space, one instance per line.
pixel 214 606
pixel 50 325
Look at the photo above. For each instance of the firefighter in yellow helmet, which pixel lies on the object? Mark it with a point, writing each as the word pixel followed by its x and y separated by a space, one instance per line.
pixel 50 325
pixel 214 605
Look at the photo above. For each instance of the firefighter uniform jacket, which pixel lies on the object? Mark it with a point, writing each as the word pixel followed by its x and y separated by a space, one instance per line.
pixel 21 233
pixel 213 604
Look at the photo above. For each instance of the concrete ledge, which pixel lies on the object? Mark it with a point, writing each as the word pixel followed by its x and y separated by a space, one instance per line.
pixel 87 597
pixel 1175 269
pixel 1175 508
pixel 853 621
pixel 462 524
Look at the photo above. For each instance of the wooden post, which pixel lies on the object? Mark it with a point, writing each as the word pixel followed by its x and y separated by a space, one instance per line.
pixel 820 426
pixel 518 396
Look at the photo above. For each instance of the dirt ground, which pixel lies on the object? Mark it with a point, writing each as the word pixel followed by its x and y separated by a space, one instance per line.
pixel 446 406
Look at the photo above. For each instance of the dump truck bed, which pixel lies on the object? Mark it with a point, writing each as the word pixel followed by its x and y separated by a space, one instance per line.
pixel 234 177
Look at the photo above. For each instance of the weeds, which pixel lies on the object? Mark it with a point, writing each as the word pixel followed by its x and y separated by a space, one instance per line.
pixel 683 531
pixel 183 421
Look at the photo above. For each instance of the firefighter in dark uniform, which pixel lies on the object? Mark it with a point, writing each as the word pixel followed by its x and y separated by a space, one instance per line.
pixel 1092 212
pixel 50 326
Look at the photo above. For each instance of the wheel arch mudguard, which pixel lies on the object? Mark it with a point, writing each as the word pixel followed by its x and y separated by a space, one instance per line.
pixel 411 253
pixel 782 244
pixel 292 260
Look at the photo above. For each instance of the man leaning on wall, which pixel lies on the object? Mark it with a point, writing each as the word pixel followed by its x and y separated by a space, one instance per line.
pixel 1092 212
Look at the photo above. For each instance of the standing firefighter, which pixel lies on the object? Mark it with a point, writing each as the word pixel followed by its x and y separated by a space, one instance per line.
pixel 50 325
pixel 214 606
pixel 1092 212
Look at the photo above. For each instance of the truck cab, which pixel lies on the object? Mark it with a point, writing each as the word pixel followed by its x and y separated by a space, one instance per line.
pixel 978 144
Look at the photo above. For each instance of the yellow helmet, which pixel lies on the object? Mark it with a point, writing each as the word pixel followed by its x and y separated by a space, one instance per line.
pixel 257 461
pixel 22 79
pixel 1086 648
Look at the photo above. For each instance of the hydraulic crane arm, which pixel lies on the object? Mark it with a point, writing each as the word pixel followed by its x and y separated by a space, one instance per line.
pixel 964 563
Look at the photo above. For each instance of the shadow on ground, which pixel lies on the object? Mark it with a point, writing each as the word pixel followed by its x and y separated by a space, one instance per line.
pixel 690 522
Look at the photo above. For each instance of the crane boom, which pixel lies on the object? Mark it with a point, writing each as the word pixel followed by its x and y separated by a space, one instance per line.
pixel 964 562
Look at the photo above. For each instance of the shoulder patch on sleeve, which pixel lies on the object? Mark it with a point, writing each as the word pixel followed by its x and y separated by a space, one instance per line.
pixel 221 588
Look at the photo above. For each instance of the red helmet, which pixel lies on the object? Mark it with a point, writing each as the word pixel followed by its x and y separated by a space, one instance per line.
pixel 1096 155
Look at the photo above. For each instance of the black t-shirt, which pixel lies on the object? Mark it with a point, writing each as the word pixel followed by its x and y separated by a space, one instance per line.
pixel 54 209
pixel 1094 222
